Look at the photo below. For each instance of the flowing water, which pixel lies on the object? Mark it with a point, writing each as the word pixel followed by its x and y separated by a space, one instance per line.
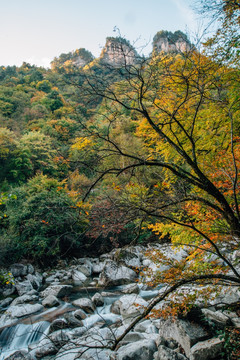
pixel 32 329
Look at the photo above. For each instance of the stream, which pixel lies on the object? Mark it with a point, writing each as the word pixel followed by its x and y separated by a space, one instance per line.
pixel 30 330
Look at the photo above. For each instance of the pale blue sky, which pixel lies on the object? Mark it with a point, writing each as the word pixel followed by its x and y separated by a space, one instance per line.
pixel 36 31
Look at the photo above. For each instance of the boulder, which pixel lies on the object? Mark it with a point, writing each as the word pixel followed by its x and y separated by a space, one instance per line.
pixel 97 299
pixel 209 349
pixel 129 258
pixel 24 299
pixel 20 355
pixel 98 267
pixel 186 333
pixel 131 289
pixel 23 287
pixel 113 275
pixel 23 310
pixel 80 314
pixel 57 290
pixel 139 350
pixel 147 327
pixel 78 277
pixel 165 353
pixel 5 302
pixel 216 316
pixel 19 270
pixel 35 280
pixel 45 347
pixel 58 324
pixel 72 321
pixel 50 301
pixel 85 304
pixel 131 306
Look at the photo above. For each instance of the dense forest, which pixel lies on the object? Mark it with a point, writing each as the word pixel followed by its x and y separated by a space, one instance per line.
pixel 126 149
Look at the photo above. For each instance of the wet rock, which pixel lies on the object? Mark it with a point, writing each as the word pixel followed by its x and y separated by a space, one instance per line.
pixel 45 347
pixel 20 355
pixel 209 349
pixel 23 310
pixel 57 290
pixel 72 321
pixel 59 338
pixel 25 299
pixel 80 314
pixel 85 304
pixel 129 258
pixel 139 350
pixel 97 299
pixel 5 302
pixel 78 277
pixel 131 306
pixel 50 301
pixel 131 289
pixel 114 274
pixel 58 324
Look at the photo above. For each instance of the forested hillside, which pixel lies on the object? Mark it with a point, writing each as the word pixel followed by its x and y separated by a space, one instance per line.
pixel 100 153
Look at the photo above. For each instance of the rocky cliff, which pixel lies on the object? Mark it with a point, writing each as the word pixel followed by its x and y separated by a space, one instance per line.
pixel 118 51
pixel 166 41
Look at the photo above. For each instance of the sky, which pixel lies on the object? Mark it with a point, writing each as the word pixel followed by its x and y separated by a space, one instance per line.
pixel 35 31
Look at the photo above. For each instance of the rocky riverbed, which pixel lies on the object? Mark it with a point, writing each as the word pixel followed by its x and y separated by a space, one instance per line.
pixel 78 310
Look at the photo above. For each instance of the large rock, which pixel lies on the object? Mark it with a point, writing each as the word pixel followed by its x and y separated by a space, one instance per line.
pixel 186 333
pixel 98 299
pixel 57 290
pixel 129 258
pixel 35 280
pixel 24 299
pixel 165 353
pixel 50 301
pixel 23 310
pixel 19 270
pixel 20 355
pixel 113 275
pixel 23 287
pixel 131 306
pixel 72 321
pixel 85 304
pixel 139 350
pixel 58 324
pixel 78 276
pixel 209 349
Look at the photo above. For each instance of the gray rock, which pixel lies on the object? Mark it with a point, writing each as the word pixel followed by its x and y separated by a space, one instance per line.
pixel 59 338
pixel 132 337
pixel 216 316
pixel 5 302
pixel 98 267
pixel 80 314
pixel 186 333
pixel 30 269
pixel 72 321
pixel 146 326
pixel 131 289
pixel 9 290
pixel 20 355
pixel 97 299
pixel 129 258
pixel 24 299
pixel 139 350
pixel 35 280
pixel 23 287
pixel 131 306
pixel 45 347
pixel 58 324
pixel 78 277
pixel 115 307
pixel 50 301
pixel 113 275
pixel 85 269
pixel 23 310
pixel 209 349
pixel 57 290
pixel 19 270
pixel 165 353
pixel 85 304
